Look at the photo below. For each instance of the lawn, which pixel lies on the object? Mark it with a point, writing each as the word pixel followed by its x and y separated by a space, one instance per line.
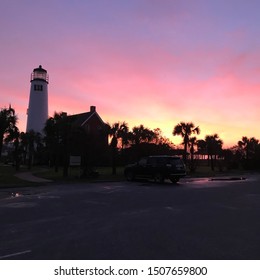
pixel 8 178
pixel 104 173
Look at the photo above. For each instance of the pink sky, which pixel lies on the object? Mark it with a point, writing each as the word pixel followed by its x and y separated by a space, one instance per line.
pixel 144 62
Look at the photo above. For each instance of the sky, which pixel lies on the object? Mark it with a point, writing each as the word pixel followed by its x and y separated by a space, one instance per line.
pixel 150 62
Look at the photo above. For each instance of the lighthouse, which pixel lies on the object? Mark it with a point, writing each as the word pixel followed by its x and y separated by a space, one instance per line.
pixel 38 103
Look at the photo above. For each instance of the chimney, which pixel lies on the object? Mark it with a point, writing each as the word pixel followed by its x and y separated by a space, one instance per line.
pixel 92 109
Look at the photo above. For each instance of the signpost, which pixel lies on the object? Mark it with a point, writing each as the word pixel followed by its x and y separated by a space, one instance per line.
pixel 75 161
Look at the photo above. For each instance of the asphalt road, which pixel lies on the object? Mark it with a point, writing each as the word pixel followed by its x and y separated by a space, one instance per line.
pixel 133 220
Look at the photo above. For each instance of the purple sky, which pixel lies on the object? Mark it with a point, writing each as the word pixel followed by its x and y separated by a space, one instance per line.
pixel 154 62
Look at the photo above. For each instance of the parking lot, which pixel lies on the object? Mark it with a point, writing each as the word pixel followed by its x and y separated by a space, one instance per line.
pixel 193 219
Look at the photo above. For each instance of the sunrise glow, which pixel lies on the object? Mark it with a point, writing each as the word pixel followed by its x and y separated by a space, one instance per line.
pixel 152 62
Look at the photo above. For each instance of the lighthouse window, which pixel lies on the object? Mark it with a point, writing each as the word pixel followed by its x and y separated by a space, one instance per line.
pixel 38 87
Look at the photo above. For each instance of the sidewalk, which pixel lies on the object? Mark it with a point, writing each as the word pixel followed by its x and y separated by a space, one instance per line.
pixel 28 176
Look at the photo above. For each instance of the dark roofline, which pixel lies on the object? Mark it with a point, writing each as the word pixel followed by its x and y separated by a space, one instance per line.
pixel 93 113
pixel 87 115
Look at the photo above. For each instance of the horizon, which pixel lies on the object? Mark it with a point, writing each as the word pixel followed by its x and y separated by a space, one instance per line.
pixel 155 63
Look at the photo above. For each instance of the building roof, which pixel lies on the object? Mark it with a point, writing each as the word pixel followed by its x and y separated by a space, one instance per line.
pixel 82 118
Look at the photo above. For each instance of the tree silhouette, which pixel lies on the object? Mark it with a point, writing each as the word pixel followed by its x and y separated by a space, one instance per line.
pixel 185 130
pixel 24 145
pixel 141 134
pixel 192 143
pixel 14 137
pixel 8 120
pixel 249 146
pixel 117 131
pixel 57 130
pixel 202 147
pixel 214 147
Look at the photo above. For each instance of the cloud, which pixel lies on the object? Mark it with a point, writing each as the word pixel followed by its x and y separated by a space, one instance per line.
pixel 149 62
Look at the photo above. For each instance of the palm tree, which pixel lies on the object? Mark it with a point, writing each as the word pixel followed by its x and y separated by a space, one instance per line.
pixel 244 144
pixel 141 134
pixel 214 147
pixel 202 147
pixel 24 145
pixel 117 131
pixel 14 137
pixel 123 134
pixel 185 130
pixel 8 120
pixel 192 143
pixel 248 145
pixel 57 136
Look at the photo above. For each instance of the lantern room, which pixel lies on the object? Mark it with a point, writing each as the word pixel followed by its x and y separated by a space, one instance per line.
pixel 40 74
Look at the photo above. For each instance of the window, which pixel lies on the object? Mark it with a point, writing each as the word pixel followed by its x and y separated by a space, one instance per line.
pixel 38 87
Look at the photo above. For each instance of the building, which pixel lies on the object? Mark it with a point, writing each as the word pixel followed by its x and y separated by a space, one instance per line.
pixel 89 137
pixel 38 102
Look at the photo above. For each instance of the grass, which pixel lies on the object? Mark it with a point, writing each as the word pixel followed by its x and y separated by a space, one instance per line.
pixel 204 171
pixel 105 174
pixel 201 171
pixel 8 178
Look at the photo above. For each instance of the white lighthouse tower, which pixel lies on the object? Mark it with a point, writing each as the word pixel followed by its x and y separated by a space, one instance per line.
pixel 38 102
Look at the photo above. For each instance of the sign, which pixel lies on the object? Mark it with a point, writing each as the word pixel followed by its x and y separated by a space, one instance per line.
pixel 75 160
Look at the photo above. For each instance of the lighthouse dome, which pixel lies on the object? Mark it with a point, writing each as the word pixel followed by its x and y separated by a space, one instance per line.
pixel 39 69
pixel 39 74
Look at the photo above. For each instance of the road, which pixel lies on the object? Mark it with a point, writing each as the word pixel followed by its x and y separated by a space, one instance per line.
pixel 193 220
